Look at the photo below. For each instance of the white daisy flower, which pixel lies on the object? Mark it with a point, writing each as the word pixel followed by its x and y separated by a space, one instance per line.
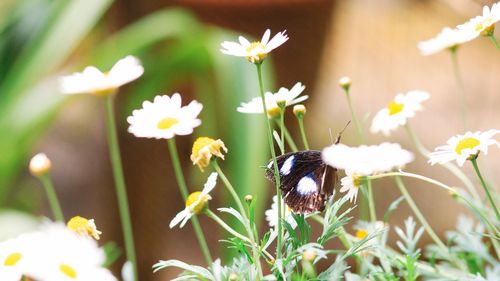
pixel 272 213
pixel 56 253
pixel 94 81
pixel 164 118
pixel 462 147
pixel 350 184
pixel 196 202
pixel 482 25
pixel 289 97
pixel 254 52
pixel 398 111
pixel 367 160
pixel 365 228
pixel 447 39
pixel 14 257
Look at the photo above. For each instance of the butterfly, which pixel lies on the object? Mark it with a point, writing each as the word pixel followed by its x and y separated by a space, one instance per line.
pixel 306 182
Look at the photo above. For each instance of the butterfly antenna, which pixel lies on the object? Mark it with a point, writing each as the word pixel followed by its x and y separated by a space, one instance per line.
pixel 341 132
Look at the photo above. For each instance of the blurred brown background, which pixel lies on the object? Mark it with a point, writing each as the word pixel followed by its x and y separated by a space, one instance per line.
pixel 373 42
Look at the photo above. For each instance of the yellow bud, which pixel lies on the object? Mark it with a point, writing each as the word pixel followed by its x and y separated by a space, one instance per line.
pixel 233 276
pixel 40 165
pixel 309 255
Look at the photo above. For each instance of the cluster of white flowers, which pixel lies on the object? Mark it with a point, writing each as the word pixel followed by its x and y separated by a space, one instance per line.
pixel 54 253
pixel 451 38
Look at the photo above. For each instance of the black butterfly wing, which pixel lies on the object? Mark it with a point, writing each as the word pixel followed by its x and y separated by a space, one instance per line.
pixel 306 181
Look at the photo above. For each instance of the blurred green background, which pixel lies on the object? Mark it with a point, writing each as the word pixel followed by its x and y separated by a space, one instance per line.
pixel 374 42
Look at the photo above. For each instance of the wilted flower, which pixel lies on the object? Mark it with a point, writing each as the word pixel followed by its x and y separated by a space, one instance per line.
pixel 447 39
pixel 289 97
pixel 398 111
pixel 484 24
pixel 40 165
pixel 463 147
pixel 164 118
pixel 93 81
pixel 254 52
pixel 203 150
pixel 196 202
pixel 367 160
pixel 84 227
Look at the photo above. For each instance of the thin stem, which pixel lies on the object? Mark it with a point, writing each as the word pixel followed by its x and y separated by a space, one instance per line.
pixel 486 189
pixel 275 163
pixel 121 190
pixel 236 198
pixel 359 130
pixel 282 131
pixel 460 85
pixel 493 39
pixel 371 201
pixel 54 204
pixel 449 166
pixel 418 214
pixel 172 147
pixel 233 232
pixel 303 132
pixel 289 139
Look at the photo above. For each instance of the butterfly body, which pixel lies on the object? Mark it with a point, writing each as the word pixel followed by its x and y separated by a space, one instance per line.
pixel 306 182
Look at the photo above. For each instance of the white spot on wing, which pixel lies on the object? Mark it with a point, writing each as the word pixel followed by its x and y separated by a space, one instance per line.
pixel 287 165
pixel 270 165
pixel 307 185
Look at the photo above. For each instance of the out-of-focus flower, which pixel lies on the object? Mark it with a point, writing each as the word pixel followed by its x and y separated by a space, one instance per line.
pixel 254 52
pixel 367 160
pixel 164 118
pixel 299 110
pixel 14 257
pixel 40 165
pixel 345 83
pixel 484 24
pixel 93 81
pixel 447 39
pixel 55 253
pixel 398 111
pixel 289 97
pixel 364 228
pixel 351 184
pixel 203 150
pixel 463 147
pixel 84 227
pixel 196 202
pixel 272 213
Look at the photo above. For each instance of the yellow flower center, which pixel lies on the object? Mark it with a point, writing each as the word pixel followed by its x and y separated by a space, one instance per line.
pixel 273 111
pixel 361 233
pixel 200 143
pixel 68 271
pixel 394 108
pixel 258 52
pixel 466 143
pixel 200 205
pixel 203 150
pixel 356 180
pixel 167 123
pixel 83 226
pixel 12 259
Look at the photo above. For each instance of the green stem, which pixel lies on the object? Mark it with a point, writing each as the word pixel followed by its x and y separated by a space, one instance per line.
pixel 359 130
pixel 172 147
pixel 236 198
pixel 282 130
pixel 493 39
pixel 371 201
pixel 289 139
pixel 275 163
pixel 418 214
pixel 121 190
pixel 233 232
pixel 449 166
pixel 460 85
pixel 55 206
pixel 483 183
pixel 303 132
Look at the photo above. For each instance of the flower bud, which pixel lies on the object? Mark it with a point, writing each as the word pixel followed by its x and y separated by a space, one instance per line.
pixel 299 110
pixel 309 255
pixel 40 165
pixel 248 198
pixel 233 276
pixel 345 83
